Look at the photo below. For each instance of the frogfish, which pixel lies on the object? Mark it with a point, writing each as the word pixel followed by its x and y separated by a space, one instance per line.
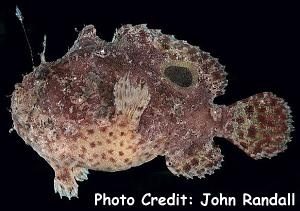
pixel 111 106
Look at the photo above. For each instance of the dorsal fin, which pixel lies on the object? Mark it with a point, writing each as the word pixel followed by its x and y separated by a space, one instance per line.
pixel 211 73
pixel 42 55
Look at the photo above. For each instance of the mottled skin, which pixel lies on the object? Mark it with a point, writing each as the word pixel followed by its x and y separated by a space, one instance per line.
pixel 110 106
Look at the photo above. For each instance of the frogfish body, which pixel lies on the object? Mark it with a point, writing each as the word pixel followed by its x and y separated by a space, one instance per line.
pixel 110 106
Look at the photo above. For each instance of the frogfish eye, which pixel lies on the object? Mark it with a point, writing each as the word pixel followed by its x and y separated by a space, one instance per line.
pixel 181 76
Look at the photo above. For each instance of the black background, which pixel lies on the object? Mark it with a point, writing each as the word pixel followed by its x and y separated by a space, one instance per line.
pixel 258 43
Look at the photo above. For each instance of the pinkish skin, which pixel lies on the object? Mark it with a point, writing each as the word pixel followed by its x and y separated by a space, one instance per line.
pixel 110 106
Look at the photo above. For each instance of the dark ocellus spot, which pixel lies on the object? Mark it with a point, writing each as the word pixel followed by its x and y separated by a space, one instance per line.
pixel 181 76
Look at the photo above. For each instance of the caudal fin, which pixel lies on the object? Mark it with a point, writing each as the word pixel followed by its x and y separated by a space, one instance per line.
pixel 259 125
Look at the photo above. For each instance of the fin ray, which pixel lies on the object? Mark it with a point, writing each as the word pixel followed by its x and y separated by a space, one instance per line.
pixel 131 100
pixel 197 161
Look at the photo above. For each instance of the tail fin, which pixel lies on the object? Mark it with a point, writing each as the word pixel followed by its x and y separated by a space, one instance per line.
pixel 259 125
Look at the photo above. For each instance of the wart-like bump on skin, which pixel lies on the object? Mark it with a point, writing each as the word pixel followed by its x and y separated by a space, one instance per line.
pixel 111 106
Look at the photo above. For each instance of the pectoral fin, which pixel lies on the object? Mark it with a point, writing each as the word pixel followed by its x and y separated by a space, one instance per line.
pixel 130 99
